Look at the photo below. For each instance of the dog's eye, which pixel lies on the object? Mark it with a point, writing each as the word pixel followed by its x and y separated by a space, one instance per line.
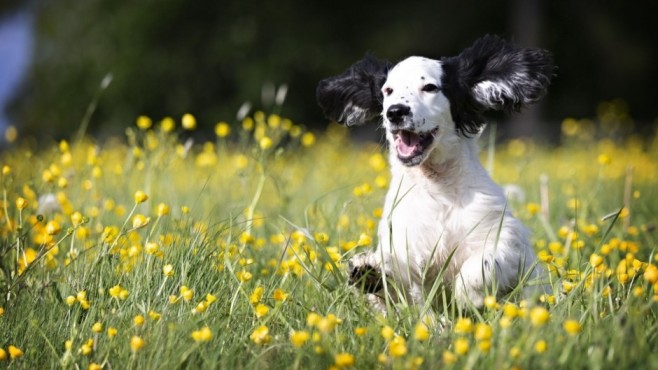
pixel 430 88
pixel 388 91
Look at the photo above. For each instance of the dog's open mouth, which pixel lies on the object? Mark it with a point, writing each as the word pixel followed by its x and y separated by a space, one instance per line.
pixel 411 146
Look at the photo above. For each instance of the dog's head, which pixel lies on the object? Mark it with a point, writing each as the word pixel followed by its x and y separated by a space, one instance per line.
pixel 423 101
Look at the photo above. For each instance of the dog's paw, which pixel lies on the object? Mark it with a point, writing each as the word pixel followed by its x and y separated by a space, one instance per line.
pixel 364 275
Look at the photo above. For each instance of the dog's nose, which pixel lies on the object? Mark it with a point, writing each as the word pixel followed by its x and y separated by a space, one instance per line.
pixel 397 112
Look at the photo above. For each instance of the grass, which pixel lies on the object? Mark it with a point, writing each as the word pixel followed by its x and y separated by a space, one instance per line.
pixel 150 252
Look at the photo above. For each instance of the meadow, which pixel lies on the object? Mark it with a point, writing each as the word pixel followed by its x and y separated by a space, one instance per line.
pixel 155 251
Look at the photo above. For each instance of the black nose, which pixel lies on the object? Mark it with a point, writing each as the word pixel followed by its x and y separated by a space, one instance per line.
pixel 397 112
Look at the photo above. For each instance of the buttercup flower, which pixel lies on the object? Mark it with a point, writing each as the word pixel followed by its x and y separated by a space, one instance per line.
pixel 299 338
pixel 261 335
pixel 344 360
pixel 140 197
pixel 202 335
pixel 136 343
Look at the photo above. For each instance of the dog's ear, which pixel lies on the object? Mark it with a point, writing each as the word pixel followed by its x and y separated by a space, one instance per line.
pixel 494 75
pixel 354 97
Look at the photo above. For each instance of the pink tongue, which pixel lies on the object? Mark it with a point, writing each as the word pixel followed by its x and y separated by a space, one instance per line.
pixel 406 143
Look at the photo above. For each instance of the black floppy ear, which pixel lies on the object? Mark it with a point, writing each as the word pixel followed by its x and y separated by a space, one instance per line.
pixel 354 97
pixel 494 75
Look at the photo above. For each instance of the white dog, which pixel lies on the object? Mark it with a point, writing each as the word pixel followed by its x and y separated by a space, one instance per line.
pixel 444 217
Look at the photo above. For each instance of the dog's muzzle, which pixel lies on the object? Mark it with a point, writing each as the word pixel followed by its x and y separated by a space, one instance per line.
pixel 412 147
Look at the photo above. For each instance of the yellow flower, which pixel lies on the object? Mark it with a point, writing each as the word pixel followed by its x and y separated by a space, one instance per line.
pixel 21 203
pixel 387 332
pixel 162 210
pixel 482 331
pixel 484 345
pixel 81 296
pixel 210 298
pixel 265 143
pixel 510 310
pixel 151 247
pixel 186 293
pixel 155 316
pixel 364 240
pixel 568 286
pixel 87 348
pixel 533 208
pixel 112 332
pixel 539 316
pixel 144 122
pixel 77 219
pixel 222 129
pixel 541 346
pixel 461 346
pixel 595 260
pixel 136 343
pixel 97 327
pixel 505 322
pixel 328 324
pixel 361 331
pixel 449 358
pixel 604 159
pixel 140 197
pixel 200 307
pixel 138 320
pixel 260 335
pixel 140 221
pixel 244 275
pixel 299 338
pixel 14 352
pixel 312 319
pixel 202 335
pixel 6 170
pixel 168 270
pixel 490 302
pixel 94 366
pixel 397 347
pixel 651 274
pixel 70 300
pixel 53 228
pixel 308 139
pixel 167 124
pixel 572 327
pixel 344 359
pixel 421 332
pixel 189 121
pixel 261 310
pixel 256 295
pixel 464 325
pixel 280 295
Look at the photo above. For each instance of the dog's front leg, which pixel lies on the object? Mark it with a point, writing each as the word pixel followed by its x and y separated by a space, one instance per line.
pixel 365 272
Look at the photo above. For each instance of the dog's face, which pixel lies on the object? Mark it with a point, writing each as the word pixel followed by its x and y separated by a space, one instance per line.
pixel 421 100
pixel 414 109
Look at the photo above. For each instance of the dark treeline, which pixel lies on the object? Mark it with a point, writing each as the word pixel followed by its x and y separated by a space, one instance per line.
pixel 169 57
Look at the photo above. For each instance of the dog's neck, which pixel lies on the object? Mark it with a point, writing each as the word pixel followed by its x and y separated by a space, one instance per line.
pixel 452 169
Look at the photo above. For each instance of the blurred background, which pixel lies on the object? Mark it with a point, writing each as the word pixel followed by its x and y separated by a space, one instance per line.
pixel 170 57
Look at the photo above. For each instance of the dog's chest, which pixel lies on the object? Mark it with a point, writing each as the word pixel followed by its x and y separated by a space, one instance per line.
pixel 418 222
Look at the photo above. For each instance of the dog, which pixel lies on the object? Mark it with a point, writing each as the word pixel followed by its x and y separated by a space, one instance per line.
pixel 444 219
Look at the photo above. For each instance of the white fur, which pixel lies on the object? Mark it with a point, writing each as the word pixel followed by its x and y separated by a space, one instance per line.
pixel 446 203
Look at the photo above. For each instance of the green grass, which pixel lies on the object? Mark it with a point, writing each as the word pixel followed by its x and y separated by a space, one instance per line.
pixel 283 216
